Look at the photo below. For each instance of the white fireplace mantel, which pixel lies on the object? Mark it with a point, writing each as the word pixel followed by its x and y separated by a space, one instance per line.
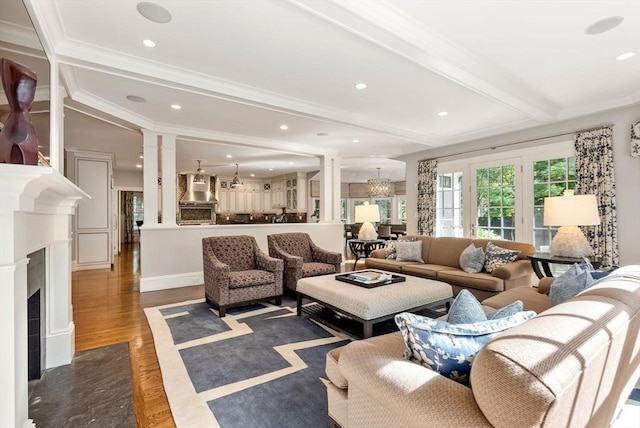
pixel 36 204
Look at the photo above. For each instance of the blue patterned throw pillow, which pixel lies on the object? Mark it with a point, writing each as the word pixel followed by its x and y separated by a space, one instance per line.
pixel 449 349
pixel 496 256
pixel 465 309
pixel 569 284
pixel 507 311
pixel 472 259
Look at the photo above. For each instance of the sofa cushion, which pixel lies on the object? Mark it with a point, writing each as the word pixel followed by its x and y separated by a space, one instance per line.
pixel 409 251
pixel 446 250
pixel 497 256
pixel 569 284
pixel 449 349
pixel 480 280
pixel 250 278
pixel 531 299
pixel 388 265
pixel 315 269
pixel 472 259
pixel 424 270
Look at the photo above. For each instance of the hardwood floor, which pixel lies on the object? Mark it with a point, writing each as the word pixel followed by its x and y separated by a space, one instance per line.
pixel 108 308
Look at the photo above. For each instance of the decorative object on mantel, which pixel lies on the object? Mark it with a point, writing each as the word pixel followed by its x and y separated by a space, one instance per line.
pixel 237 181
pixel 18 139
pixel 635 140
pixel 569 212
pixel 379 187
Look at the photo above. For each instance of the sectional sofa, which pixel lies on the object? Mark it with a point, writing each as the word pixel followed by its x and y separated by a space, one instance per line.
pixel 572 365
pixel 441 261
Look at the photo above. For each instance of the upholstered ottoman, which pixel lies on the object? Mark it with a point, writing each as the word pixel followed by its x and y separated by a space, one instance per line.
pixel 373 305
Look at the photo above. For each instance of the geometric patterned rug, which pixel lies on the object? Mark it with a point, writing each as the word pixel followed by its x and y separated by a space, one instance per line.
pixel 260 365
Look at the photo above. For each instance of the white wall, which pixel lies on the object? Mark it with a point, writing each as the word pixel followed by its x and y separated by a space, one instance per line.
pixel 127 179
pixel 171 256
pixel 627 169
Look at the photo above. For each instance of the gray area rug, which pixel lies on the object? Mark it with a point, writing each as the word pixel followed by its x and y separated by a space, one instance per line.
pixel 93 391
pixel 260 366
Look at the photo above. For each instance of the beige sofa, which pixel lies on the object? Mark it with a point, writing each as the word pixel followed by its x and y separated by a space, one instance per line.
pixel 441 257
pixel 573 365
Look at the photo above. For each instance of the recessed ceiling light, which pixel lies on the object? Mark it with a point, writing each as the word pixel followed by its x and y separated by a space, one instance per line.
pixel 149 43
pixel 625 55
pixel 290 163
pixel 356 141
pixel 136 99
pixel 361 85
pixel 322 134
pixel 603 25
pixel 176 106
pixel 229 156
pixel 140 156
pixel 138 166
pixel 153 12
pixel 270 169
pixel 443 113
pixel 252 175
pixel 284 127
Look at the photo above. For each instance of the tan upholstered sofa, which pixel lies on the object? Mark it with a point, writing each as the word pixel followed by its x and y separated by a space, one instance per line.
pixel 573 365
pixel 441 257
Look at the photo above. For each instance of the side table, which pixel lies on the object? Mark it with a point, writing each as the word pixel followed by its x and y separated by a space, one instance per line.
pixel 542 260
pixel 362 249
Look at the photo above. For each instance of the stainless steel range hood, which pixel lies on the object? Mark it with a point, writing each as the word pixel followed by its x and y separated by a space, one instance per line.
pixel 198 193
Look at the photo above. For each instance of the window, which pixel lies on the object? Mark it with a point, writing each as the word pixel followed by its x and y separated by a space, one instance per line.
pixel 496 202
pixel 384 206
pixel 402 209
pixel 138 208
pixel 449 220
pixel 550 178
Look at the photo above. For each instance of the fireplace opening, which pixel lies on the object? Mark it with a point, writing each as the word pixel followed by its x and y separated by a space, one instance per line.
pixel 36 272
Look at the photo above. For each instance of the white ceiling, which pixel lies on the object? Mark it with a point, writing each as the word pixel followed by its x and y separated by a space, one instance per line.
pixel 240 69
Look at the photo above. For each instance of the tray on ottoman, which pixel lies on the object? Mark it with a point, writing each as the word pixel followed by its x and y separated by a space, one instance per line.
pixel 370 278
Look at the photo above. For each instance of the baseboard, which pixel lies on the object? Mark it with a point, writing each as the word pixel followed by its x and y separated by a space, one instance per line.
pixel 60 347
pixel 164 282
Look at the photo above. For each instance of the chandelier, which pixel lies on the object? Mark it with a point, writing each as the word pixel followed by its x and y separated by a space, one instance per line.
pixel 199 177
pixel 379 187
pixel 237 181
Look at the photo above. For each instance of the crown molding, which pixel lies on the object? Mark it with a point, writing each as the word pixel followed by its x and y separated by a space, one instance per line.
pixel 20 36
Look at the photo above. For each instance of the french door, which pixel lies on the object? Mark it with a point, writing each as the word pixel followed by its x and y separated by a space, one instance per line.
pixel 496 206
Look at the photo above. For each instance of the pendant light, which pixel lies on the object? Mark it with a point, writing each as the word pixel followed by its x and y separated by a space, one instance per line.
pixel 379 187
pixel 199 177
pixel 237 181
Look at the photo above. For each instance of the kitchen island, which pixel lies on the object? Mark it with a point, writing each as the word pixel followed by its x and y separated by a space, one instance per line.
pixel 171 256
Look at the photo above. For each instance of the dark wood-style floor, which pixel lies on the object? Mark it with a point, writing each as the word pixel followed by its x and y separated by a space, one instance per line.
pixel 108 309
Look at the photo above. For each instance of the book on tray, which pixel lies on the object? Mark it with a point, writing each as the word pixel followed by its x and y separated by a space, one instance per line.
pixel 369 276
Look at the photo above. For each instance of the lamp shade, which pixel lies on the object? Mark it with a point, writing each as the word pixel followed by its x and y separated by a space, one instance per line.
pixel 367 213
pixel 571 210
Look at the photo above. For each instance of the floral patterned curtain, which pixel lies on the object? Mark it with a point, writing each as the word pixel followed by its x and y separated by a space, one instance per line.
pixel 427 179
pixel 594 176
pixel 127 216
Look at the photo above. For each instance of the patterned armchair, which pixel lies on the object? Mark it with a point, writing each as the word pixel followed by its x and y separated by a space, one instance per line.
pixel 302 258
pixel 237 272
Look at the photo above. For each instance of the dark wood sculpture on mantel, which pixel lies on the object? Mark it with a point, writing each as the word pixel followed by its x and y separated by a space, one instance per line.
pixel 18 139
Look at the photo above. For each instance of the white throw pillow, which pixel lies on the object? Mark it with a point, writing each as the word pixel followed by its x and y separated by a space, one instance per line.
pixel 407 251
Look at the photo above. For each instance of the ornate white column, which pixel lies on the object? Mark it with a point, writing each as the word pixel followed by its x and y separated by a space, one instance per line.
pixel 169 179
pixel 150 177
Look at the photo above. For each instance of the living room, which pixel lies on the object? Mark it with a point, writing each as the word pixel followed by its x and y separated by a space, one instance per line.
pixel 500 120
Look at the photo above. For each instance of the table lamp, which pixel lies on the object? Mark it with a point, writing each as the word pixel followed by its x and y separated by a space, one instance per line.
pixel 569 212
pixel 366 214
